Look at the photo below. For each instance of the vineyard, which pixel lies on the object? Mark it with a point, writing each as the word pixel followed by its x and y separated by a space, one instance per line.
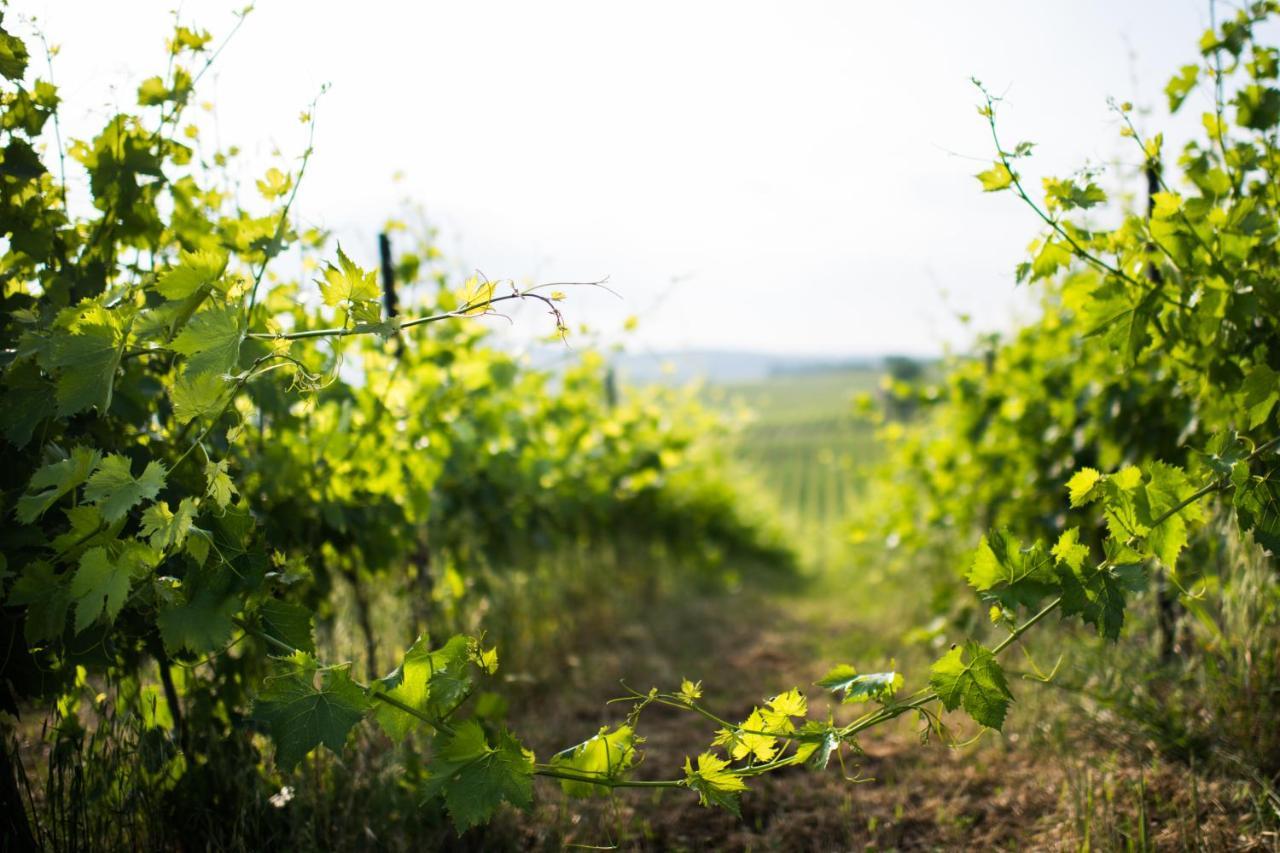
pixel 801 438
pixel 300 553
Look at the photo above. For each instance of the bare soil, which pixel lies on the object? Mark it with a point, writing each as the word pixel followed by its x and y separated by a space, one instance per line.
pixel 1009 792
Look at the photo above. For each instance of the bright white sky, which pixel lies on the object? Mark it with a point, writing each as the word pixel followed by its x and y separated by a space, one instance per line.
pixel 785 176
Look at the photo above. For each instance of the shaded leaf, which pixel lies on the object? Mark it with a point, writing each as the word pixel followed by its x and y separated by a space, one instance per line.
pixel 100 587
pixel 54 480
pixel 970 677
pixel 300 716
pixel 115 490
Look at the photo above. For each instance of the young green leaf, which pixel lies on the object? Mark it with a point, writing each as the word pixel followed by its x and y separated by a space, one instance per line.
pixel 194 271
pixel 349 287
pixel 605 756
pixel 1069 551
pixel 751 738
pixel 1080 488
pixel 1181 85
pixel 821 740
pixel 997 178
pixel 218 483
pixel 844 679
pixel 476 294
pixel 1166 488
pixel 1261 389
pixel 1066 194
pixel 211 341
pixel 714 783
pixel 409 685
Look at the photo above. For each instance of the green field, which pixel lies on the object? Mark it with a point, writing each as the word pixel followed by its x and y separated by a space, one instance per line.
pixel 799 435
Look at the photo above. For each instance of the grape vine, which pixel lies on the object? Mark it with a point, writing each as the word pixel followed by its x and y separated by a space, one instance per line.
pixel 188 467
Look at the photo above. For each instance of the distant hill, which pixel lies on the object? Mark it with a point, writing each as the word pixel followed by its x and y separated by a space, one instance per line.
pixel 728 366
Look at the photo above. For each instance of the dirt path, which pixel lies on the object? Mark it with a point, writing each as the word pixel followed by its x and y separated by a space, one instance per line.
pixel 1003 793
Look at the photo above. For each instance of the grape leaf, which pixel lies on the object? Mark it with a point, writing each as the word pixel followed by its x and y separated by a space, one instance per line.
pixel 87 361
pixel 351 288
pixel 978 684
pixel 115 490
pixel 100 587
pixel 1126 479
pixel 87 529
pixel 27 401
pixel 789 704
pixel 1067 194
pixel 605 756
pixel 822 739
pixel 201 624
pixel 219 485
pixel 54 480
pixel 749 739
pixel 1098 594
pixel 450 676
pixel 1080 486
pixel 198 396
pixel 407 684
pixel 13 56
pixel 1004 571
pixel 476 295
pixel 166 529
pixel 198 544
pixel 211 341
pixel 301 716
pixel 1053 256
pixel 1257 505
pixel 997 178
pixel 1165 489
pixel 1261 389
pixel 860 688
pixel 1123 504
pixel 1180 85
pixel 289 623
pixel 194 270
pixel 476 778
pixel 690 691
pixel 46 597
pixel 432 682
pixel 714 783
pixel 1222 452
pixel 1069 551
